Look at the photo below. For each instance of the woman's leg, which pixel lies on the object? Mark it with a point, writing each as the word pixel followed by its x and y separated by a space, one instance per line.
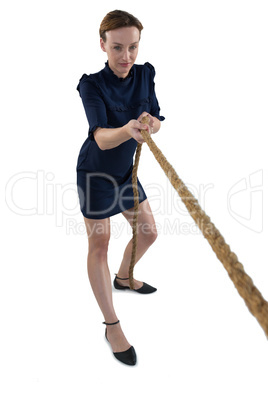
pixel 98 232
pixel 146 236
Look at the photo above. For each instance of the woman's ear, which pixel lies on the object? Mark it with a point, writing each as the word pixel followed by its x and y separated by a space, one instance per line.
pixel 102 45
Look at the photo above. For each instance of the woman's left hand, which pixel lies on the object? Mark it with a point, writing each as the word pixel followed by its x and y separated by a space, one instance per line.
pixel 151 122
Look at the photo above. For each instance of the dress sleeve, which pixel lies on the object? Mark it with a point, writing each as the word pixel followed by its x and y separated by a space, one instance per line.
pixel 155 109
pixel 93 103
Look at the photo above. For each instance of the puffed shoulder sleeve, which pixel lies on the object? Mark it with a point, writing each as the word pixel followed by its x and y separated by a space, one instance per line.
pixel 155 109
pixel 93 103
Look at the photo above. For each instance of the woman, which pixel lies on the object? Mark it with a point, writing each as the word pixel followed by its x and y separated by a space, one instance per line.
pixel 115 99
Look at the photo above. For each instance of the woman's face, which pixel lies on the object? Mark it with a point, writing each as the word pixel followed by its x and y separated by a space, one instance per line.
pixel 121 47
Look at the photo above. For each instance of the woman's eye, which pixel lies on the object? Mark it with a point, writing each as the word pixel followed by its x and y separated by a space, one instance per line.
pixel 119 48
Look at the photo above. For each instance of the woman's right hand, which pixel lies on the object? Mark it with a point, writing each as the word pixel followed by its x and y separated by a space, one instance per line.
pixel 133 128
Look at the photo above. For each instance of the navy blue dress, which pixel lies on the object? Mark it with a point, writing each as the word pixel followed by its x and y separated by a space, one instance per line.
pixel 104 177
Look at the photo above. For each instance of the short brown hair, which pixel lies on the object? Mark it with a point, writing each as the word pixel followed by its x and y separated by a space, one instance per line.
pixel 118 19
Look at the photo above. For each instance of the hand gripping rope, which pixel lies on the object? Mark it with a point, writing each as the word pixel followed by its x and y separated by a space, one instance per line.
pixel 254 300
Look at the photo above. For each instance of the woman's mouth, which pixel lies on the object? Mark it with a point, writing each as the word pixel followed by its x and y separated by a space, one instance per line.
pixel 124 64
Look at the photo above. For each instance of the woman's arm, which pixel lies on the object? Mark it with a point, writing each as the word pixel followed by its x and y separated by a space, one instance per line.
pixel 108 138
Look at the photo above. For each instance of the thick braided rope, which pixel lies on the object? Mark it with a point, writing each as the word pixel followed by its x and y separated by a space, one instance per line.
pixel 135 214
pixel 254 300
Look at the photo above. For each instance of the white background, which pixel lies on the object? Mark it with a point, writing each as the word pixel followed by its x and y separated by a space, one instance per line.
pixel 195 338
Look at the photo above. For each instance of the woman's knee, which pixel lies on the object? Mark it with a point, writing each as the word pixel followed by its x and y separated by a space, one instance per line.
pixel 98 232
pixel 147 233
pixel 98 245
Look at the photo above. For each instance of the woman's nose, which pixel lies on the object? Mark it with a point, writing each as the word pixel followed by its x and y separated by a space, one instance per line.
pixel 126 55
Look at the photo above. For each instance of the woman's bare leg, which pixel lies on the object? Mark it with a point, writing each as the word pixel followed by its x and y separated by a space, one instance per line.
pixel 146 236
pixel 98 231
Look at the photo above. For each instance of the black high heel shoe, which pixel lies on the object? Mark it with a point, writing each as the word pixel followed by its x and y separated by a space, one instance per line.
pixel 128 356
pixel 145 289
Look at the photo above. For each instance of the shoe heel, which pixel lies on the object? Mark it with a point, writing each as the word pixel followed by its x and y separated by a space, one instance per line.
pixel 119 287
